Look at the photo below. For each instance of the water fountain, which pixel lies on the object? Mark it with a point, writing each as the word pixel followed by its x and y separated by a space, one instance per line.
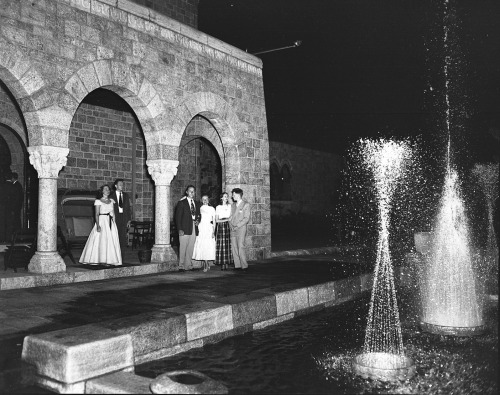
pixel 451 303
pixel 383 355
pixel 450 298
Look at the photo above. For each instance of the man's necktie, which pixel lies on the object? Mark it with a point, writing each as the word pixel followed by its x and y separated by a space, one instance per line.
pixel 193 210
pixel 120 201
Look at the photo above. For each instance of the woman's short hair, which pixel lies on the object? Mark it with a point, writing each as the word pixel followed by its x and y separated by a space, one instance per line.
pixel 101 189
pixel 222 195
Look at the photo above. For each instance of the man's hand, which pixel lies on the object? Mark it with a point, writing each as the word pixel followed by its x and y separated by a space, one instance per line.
pixel 98 228
pixel 181 233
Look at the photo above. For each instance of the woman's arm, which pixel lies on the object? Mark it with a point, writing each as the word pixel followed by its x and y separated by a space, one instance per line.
pixel 213 223
pixel 97 212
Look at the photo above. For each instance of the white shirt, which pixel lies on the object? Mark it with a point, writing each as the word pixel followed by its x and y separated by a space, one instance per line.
pixel 120 209
pixel 191 201
pixel 223 211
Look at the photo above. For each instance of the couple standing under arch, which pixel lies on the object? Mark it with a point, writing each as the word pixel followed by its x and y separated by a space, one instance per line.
pixel 209 234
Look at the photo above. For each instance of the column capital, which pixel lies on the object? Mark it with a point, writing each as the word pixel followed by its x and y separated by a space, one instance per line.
pixel 48 161
pixel 162 170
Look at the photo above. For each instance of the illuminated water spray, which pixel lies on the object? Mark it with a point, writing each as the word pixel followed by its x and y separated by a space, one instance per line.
pixel 383 354
pixel 451 303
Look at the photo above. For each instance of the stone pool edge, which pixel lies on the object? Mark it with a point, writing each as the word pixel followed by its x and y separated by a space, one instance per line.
pixel 64 361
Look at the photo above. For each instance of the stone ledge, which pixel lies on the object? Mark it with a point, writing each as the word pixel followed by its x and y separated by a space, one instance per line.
pixel 315 251
pixel 144 340
pixel 118 383
pixel 30 280
pixel 72 355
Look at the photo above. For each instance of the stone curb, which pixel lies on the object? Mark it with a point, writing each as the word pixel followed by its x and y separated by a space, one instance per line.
pixel 165 332
pixel 315 251
pixel 32 280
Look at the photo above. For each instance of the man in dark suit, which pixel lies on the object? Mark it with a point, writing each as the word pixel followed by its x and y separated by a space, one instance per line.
pixel 187 218
pixel 123 211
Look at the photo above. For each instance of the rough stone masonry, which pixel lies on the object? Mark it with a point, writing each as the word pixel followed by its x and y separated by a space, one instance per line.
pixel 53 53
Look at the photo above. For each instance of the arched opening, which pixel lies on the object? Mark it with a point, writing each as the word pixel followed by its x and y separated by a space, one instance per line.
pixel 200 162
pixel 106 142
pixel 21 213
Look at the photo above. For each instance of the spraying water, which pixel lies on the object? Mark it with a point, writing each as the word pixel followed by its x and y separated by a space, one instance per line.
pixel 450 297
pixel 383 347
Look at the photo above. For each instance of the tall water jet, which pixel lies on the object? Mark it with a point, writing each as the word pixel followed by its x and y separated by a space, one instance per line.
pixel 451 303
pixel 383 354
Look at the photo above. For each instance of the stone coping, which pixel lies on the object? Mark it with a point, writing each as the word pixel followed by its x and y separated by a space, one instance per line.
pixel 11 280
pixel 63 360
pixel 316 251
pixel 72 275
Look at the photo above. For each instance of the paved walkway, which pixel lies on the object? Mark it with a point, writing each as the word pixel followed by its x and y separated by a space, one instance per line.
pixel 44 309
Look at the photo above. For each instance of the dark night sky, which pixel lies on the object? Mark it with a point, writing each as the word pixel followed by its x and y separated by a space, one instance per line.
pixel 362 68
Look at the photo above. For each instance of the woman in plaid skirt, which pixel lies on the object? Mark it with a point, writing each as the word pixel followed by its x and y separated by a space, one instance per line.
pixel 223 255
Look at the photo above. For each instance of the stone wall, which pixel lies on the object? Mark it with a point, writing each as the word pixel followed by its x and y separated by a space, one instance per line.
pixel 185 11
pixel 100 142
pixel 9 113
pixel 55 52
pixel 315 179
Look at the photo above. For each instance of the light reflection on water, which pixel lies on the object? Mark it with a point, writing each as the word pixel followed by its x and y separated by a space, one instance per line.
pixel 313 354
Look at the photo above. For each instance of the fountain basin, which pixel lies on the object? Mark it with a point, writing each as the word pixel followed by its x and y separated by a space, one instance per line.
pixel 453 330
pixel 383 366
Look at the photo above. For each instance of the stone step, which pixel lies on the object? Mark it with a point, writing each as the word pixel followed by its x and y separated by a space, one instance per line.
pixel 119 383
pixel 64 360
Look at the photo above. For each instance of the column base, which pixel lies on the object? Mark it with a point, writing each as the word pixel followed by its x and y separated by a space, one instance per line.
pixel 163 253
pixel 46 262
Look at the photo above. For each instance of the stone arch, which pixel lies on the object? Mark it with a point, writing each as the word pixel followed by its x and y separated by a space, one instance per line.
pixel 25 83
pixel 131 86
pixel 229 129
pixel 16 128
pixel 210 135
pixel 216 110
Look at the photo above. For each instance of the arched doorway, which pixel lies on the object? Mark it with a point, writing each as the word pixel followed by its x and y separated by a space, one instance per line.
pixel 106 142
pixel 14 159
pixel 200 162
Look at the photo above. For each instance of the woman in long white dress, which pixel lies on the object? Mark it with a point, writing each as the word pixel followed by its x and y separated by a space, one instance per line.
pixel 204 246
pixel 103 244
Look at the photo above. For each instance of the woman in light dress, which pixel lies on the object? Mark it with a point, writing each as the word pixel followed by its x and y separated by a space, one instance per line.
pixel 204 246
pixel 103 244
pixel 223 254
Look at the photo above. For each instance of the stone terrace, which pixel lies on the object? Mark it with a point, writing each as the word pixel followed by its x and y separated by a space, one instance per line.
pixel 55 52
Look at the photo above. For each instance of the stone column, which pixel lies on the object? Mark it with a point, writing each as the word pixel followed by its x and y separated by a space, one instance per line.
pixel 162 171
pixel 47 161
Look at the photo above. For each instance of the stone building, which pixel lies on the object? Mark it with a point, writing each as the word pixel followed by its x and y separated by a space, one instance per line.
pixel 304 182
pixel 93 90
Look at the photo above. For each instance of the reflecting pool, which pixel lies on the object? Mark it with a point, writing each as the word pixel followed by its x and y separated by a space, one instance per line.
pixel 313 354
